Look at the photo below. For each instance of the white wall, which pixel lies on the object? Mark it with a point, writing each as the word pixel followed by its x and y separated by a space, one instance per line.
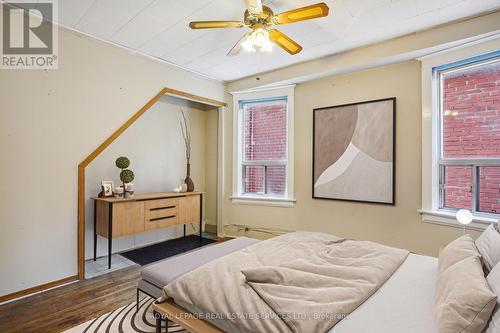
pixel 49 122
pixel 155 148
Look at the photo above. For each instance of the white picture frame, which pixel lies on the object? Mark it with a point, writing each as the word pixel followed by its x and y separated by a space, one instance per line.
pixel 107 188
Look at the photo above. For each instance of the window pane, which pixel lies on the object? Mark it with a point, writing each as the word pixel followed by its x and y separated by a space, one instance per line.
pixel 457 187
pixel 471 112
pixel 489 189
pixel 276 179
pixel 265 130
pixel 254 179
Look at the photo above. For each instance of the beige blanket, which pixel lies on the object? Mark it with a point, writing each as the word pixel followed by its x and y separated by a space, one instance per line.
pixel 298 282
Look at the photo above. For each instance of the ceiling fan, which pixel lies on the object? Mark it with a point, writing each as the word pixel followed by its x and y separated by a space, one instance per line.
pixel 260 19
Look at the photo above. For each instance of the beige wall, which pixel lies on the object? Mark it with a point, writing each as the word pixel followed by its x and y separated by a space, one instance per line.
pixel 49 122
pixel 398 225
pixel 155 147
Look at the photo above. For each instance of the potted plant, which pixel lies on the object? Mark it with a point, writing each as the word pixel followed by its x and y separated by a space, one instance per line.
pixel 126 175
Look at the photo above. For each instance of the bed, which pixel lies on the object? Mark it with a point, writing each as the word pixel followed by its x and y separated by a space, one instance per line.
pixel 405 303
pixel 402 303
pixel 392 290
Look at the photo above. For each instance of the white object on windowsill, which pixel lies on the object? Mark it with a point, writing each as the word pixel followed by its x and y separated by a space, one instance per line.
pixel 464 217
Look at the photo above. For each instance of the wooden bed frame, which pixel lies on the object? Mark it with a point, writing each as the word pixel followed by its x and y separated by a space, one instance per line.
pixel 185 319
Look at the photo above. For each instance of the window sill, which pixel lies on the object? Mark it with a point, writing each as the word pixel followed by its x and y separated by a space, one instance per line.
pixel 447 218
pixel 263 201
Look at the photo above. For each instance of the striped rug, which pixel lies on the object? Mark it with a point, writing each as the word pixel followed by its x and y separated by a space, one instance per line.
pixel 125 320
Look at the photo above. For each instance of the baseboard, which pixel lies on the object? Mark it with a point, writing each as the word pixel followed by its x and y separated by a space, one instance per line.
pixel 211 228
pixel 38 288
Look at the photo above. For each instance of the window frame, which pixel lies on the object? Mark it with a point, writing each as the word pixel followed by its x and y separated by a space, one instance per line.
pixel 238 195
pixel 438 212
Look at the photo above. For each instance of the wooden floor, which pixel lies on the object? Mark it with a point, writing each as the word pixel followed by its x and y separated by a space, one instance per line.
pixel 62 308
pixel 59 309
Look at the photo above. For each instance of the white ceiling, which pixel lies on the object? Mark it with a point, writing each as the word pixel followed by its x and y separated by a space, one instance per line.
pixel 159 28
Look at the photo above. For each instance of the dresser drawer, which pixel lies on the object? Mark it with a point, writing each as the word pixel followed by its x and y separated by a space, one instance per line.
pixel 152 205
pixel 161 213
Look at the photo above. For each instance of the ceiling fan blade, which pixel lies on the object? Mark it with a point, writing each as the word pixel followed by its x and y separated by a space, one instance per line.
pixel 285 42
pixel 254 6
pixel 215 24
pixel 237 47
pixel 301 14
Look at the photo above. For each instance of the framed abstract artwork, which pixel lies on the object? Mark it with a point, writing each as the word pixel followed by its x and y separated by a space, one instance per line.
pixel 354 152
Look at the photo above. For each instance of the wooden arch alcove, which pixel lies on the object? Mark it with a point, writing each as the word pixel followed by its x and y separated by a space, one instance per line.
pixel 104 145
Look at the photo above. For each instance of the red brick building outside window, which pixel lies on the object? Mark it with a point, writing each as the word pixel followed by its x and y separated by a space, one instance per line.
pixel 471 132
pixel 265 147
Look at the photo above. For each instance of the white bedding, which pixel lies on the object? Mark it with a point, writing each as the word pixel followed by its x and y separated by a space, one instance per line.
pixel 405 303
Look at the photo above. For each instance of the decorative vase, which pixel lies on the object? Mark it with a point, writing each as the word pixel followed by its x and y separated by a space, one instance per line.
pixel 188 180
pixel 118 192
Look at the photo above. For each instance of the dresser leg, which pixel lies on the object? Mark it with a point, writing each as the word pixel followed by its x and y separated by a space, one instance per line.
pixel 95 231
pixel 201 217
pixel 110 234
pixel 184 230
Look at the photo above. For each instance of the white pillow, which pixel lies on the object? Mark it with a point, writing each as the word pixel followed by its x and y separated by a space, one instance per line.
pixel 488 244
pixel 464 301
pixel 461 248
pixel 494 282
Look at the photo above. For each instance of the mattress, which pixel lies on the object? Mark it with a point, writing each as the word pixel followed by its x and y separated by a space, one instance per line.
pixel 405 303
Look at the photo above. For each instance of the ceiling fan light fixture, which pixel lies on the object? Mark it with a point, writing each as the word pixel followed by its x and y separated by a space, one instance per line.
pixel 261 19
pixel 258 40
pixel 260 37
pixel 267 47
pixel 247 44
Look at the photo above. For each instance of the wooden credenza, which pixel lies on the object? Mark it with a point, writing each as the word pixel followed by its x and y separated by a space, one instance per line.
pixel 114 217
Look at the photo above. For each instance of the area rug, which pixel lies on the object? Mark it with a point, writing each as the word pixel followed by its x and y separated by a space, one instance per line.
pixel 149 254
pixel 126 320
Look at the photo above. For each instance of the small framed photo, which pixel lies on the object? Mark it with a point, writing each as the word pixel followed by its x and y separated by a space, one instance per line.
pixel 107 188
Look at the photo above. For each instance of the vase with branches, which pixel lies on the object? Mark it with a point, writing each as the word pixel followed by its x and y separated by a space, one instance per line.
pixel 186 135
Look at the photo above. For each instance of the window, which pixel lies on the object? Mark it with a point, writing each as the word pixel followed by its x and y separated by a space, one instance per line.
pixel 263 152
pixel 469 135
